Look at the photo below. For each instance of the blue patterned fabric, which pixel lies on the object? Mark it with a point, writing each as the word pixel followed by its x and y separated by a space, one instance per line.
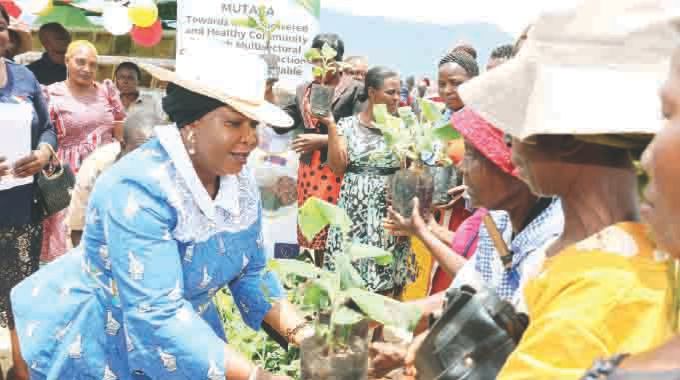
pixel 547 226
pixel 135 298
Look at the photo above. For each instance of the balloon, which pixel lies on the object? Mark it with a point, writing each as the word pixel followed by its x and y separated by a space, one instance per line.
pixel 115 19
pixel 40 7
pixel 147 37
pixel 143 13
pixel 12 9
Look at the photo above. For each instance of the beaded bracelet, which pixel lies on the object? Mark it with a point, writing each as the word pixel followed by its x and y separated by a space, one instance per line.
pixel 291 333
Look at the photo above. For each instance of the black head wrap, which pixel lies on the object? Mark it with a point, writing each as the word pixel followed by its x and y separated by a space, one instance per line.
pixel 185 106
pixel 464 60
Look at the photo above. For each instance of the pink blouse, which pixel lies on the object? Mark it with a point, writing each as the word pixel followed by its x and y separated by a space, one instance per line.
pixel 83 123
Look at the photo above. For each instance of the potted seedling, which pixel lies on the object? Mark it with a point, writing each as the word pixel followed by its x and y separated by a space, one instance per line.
pixel 321 97
pixel 411 138
pixel 267 28
pixel 444 177
pixel 339 348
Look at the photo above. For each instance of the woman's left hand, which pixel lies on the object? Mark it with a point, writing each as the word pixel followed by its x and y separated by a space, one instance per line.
pixel 32 164
pixel 309 142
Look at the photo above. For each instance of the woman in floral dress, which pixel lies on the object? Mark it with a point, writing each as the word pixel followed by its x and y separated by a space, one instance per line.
pixel 85 114
pixel 359 151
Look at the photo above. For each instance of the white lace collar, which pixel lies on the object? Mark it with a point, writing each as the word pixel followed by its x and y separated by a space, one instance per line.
pixel 228 195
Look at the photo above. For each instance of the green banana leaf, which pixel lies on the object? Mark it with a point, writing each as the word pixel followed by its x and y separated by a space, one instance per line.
pixel 380 113
pixel 349 276
pixel 445 132
pixel 362 251
pixel 286 267
pixel 386 310
pixel 347 317
pixel 431 111
pixel 316 214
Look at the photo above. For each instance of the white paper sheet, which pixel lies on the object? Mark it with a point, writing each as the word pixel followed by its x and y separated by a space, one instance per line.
pixel 15 126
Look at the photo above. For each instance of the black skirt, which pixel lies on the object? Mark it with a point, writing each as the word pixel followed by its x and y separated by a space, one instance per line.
pixel 19 258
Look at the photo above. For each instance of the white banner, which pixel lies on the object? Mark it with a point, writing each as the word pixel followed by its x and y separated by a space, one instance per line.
pixel 240 24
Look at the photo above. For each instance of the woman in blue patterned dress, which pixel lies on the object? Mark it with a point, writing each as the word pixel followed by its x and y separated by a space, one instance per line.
pixel 359 151
pixel 167 227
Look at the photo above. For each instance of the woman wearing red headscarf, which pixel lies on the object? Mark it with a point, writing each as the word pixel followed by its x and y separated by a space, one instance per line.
pixel 526 223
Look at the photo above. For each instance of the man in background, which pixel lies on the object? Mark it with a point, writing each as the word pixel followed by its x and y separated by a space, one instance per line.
pixel 127 76
pixel 51 67
pixel 407 93
pixel 358 67
pixel 137 130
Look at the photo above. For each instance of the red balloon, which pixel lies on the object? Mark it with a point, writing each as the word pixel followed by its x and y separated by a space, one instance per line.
pixel 147 37
pixel 11 8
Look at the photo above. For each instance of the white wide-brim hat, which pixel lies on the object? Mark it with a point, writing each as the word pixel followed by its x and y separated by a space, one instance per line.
pixel 592 70
pixel 231 76
pixel 24 32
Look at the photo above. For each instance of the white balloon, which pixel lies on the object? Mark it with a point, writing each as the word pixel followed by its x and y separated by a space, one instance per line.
pixel 38 6
pixel 115 19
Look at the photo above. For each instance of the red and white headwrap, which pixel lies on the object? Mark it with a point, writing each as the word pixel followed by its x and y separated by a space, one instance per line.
pixel 486 138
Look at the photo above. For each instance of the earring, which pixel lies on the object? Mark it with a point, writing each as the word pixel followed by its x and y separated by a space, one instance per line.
pixel 192 143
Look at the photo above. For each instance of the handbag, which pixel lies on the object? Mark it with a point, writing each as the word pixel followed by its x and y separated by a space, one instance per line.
pixel 475 334
pixel 54 190
pixel 472 339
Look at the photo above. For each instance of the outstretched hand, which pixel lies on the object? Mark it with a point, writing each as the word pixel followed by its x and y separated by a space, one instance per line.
pixel 385 358
pixel 309 142
pixel 398 225
pixel 417 342
pixel 456 194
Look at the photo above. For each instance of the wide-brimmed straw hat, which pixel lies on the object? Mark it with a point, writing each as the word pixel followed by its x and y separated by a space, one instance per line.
pixel 592 70
pixel 231 76
pixel 24 32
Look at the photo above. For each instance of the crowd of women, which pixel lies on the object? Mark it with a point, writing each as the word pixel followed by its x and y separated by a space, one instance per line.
pixel 556 133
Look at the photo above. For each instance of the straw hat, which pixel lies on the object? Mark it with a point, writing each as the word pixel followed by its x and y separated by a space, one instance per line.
pixel 231 76
pixel 24 33
pixel 593 70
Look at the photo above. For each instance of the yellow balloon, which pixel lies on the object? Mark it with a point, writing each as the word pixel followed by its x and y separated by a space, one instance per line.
pixel 143 13
pixel 40 7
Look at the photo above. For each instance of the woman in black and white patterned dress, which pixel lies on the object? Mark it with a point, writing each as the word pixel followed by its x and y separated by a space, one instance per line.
pixel 359 151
